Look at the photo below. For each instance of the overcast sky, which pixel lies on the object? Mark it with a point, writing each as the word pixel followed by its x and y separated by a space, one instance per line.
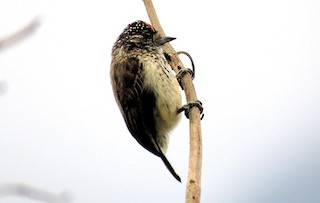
pixel 258 70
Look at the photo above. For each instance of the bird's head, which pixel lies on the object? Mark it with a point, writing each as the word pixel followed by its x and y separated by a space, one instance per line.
pixel 141 33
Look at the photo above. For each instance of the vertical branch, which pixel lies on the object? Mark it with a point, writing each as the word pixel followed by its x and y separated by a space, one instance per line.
pixel 193 189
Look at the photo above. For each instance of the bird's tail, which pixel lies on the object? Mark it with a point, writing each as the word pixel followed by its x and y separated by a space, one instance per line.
pixel 167 163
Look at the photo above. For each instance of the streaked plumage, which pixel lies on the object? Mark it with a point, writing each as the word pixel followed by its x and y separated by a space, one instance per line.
pixel 145 88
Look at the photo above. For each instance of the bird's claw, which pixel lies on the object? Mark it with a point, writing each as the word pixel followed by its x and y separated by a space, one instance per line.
pixel 186 108
pixel 184 71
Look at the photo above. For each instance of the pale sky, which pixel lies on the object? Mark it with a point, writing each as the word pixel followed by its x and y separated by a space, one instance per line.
pixel 258 70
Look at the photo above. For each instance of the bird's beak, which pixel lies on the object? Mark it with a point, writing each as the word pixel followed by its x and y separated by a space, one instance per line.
pixel 164 40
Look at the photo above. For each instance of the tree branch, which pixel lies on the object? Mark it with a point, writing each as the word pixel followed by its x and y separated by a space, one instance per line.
pixel 33 193
pixel 20 34
pixel 193 189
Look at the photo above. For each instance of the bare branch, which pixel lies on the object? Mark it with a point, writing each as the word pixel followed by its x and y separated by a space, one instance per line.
pixel 33 193
pixel 19 35
pixel 3 87
pixel 193 189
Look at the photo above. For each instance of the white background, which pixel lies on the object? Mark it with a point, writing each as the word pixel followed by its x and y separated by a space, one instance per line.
pixel 257 74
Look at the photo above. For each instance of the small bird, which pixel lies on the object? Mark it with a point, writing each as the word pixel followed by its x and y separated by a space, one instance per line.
pixel 145 88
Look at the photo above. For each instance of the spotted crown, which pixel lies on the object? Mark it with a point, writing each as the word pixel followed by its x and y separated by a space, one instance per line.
pixel 140 28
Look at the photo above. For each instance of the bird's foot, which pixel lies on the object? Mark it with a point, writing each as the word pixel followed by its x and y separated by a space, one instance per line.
pixel 187 107
pixel 184 71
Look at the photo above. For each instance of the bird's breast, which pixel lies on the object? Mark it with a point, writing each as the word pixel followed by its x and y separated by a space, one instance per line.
pixel 159 78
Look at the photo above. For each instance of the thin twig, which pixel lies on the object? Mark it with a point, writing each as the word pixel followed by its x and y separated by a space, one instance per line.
pixel 193 189
pixel 22 190
pixel 20 34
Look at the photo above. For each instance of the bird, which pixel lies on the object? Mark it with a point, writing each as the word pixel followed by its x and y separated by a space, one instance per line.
pixel 145 88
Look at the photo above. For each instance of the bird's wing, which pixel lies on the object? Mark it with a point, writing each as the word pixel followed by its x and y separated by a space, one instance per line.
pixel 136 103
pixel 137 106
